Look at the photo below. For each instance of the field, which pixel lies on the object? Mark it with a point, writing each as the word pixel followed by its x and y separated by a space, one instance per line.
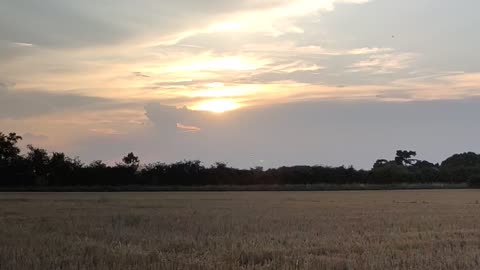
pixel 436 229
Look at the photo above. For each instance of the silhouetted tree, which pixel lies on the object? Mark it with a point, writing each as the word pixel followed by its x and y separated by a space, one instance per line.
pixel 38 160
pixel 131 161
pixel 8 146
pixel 460 167
pixel 380 163
pixel 62 169
pixel 38 168
pixel 13 168
pixel 405 158
pixel 468 159
pixel 97 164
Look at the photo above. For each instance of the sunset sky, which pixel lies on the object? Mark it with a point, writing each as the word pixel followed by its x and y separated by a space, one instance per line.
pixel 252 82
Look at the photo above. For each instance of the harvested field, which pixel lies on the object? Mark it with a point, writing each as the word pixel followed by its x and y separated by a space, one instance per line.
pixel 431 229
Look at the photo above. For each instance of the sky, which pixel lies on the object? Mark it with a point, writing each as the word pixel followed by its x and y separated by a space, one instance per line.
pixel 250 83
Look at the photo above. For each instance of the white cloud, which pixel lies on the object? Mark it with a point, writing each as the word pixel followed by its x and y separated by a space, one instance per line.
pixel 367 50
pixel 384 63
pixel 105 131
pixel 275 20
pixel 188 128
pixel 22 44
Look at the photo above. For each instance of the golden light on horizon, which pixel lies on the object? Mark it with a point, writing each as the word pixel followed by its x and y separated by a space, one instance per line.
pixel 217 106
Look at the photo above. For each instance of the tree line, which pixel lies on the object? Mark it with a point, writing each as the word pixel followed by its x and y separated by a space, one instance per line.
pixel 39 168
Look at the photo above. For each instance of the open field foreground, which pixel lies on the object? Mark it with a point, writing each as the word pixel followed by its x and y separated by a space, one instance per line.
pixel 245 230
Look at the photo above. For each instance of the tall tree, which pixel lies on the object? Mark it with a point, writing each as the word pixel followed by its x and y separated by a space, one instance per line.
pixel 405 158
pixel 380 163
pixel 131 161
pixel 39 162
pixel 8 146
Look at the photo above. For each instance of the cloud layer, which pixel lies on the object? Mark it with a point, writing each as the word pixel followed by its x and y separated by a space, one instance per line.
pixel 81 72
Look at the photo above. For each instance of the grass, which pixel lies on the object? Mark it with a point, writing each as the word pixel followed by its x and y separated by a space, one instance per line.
pixel 432 229
pixel 211 188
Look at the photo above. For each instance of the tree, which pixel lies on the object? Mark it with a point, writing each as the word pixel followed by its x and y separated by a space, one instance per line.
pixel 12 166
pixel 405 158
pixel 62 169
pixel 40 168
pixel 97 164
pixel 460 167
pixel 380 163
pixel 468 159
pixel 39 161
pixel 131 161
pixel 8 146
pixel 219 166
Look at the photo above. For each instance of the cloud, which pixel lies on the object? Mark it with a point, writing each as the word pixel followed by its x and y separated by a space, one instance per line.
pixel 54 23
pixel 57 24
pixel 297 66
pixel 170 119
pixel 464 80
pixel 367 50
pixel 101 63
pixel 396 95
pixel 34 138
pixel 305 133
pixel 441 86
pixel 140 74
pixel 254 67
pixel 282 47
pixel 19 104
pixel 21 44
pixel 105 131
pixel 275 20
pixel 188 128
pixel 384 63
pixel 12 50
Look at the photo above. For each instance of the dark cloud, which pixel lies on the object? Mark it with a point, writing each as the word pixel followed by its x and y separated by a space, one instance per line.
pixel 166 118
pixel 17 104
pixel 53 23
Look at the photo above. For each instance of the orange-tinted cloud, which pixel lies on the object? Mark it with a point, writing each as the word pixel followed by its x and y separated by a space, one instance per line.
pixel 187 128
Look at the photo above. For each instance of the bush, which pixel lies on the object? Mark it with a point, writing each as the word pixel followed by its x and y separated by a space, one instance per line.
pixel 474 181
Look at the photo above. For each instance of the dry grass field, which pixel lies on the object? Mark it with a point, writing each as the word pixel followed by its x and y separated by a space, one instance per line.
pixel 244 230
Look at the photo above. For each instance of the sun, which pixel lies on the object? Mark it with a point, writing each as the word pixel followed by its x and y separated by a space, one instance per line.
pixel 217 106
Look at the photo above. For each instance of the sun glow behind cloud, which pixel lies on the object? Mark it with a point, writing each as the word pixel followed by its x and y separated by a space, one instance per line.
pixel 211 64
pixel 217 105
pixel 175 71
pixel 257 55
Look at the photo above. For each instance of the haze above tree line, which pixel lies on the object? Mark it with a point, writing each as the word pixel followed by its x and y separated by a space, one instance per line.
pixel 39 168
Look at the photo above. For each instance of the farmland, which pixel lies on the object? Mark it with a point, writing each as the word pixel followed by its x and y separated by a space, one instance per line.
pixel 431 229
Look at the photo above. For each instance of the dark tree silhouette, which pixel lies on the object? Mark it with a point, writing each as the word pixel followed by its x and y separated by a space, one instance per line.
pixel 405 158
pixel 380 163
pixel 97 164
pixel 38 160
pixel 131 161
pixel 39 168
pixel 8 146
